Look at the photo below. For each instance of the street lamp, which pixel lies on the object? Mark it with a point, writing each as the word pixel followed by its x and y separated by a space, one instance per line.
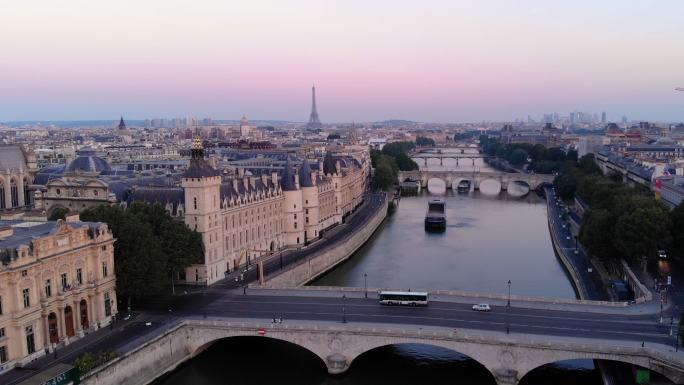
pixel 365 285
pixel 508 304
pixel 344 308
pixel 508 309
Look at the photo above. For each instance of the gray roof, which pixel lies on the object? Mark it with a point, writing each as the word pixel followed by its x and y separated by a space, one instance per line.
pixel 199 168
pixel 24 232
pixel 87 161
pixel 305 174
pixel 12 157
pixel 287 180
pixel 329 164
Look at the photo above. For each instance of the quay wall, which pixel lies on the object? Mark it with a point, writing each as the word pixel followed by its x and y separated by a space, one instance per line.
pixel 312 267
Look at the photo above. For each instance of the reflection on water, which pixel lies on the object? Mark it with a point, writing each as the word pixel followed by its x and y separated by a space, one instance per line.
pixel 264 361
pixel 488 240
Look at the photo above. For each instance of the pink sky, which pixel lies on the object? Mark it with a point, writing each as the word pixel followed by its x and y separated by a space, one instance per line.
pixel 420 60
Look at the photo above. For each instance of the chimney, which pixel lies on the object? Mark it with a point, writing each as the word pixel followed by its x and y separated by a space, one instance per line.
pixel 252 181
pixel 274 178
pixel 337 167
pixel 235 184
pixel 296 179
pixel 314 176
pixel 241 172
pixel 245 182
pixel 264 179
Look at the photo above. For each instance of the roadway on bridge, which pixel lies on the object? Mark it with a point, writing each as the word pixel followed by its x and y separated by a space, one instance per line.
pixel 632 328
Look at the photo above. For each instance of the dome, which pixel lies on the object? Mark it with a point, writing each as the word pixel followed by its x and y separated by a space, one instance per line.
pixel 665 141
pixel 87 161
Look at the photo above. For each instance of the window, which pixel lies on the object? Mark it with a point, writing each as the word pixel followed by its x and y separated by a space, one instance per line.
pixel 0 305
pixel 2 332
pixel 48 288
pixel 104 247
pixel 24 273
pixel 27 297
pixel 30 343
pixel 95 192
pixel 3 354
pixel 307 201
pixel 104 269
pixel 58 191
pixel 307 219
pixel 295 216
pixel 64 281
pixel 194 202
pixel 307 210
pixel 79 276
pixel 295 226
pixel 107 304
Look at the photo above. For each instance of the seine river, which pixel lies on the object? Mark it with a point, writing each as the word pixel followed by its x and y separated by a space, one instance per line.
pixel 489 240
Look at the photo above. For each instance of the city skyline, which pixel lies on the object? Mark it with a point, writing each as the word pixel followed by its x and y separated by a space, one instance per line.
pixel 433 62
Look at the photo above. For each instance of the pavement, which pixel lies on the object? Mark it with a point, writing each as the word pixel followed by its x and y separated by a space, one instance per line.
pixel 591 284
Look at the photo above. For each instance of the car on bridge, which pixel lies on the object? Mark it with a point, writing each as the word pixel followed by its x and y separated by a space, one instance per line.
pixel 482 307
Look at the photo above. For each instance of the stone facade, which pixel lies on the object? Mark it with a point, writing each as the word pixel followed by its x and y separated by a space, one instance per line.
pixel 57 282
pixel 241 219
pixel 74 194
pixel 17 169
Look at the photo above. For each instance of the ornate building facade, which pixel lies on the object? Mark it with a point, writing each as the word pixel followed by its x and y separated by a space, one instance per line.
pixel 57 283
pixel 241 219
pixel 17 169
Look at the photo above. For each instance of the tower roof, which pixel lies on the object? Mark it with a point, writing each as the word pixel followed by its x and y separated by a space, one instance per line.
pixel 329 164
pixel 122 124
pixel 305 175
pixel 287 180
pixel 199 168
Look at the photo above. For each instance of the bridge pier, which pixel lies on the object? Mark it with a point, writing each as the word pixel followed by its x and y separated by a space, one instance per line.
pixel 425 161
pixel 336 363
pixel 441 161
pixel 506 376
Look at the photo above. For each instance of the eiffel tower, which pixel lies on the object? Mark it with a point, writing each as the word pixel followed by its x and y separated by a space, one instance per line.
pixel 314 121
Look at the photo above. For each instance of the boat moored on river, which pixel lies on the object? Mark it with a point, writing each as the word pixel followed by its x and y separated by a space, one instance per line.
pixel 435 218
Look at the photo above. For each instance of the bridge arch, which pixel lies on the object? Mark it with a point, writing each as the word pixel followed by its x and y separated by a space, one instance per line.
pixel 642 361
pixel 437 185
pixel 481 369
pixel 518 188
pixel 490 186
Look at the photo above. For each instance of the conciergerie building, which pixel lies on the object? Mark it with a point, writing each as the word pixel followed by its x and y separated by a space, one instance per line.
pixel 243 217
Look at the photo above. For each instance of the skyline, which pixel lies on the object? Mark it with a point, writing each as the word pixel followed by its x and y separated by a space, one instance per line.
pixel 437 61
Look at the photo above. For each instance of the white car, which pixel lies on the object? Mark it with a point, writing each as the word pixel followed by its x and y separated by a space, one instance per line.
pixel 482 307
pixel 662 254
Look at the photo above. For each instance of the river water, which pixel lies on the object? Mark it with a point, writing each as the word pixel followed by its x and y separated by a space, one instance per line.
pixel 489 240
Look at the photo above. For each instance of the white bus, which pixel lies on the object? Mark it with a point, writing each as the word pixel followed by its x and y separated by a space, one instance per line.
pixel 410 298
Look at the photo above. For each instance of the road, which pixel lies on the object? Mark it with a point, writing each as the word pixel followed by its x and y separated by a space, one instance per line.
pixel 631 328
pixel 592 286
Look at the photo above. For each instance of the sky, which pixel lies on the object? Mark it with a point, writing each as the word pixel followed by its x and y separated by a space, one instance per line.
pixel 427 60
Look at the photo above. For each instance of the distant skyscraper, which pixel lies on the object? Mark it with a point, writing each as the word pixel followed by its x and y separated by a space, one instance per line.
pixel 314 121
pixel 603 117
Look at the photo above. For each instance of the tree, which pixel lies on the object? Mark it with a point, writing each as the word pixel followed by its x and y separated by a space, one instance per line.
pixel 588 165
pixel 641 232
pixel 423 141
pixel 566 185
pixel 150 248
pixel 676 226
pixel 405 163
pixel 518 157
pixel 334 136
pixel 615 176
pixel 58 213
pixel 383 176
pixel 596 223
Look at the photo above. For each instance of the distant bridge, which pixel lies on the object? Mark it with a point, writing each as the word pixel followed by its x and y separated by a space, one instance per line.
pixel 495 180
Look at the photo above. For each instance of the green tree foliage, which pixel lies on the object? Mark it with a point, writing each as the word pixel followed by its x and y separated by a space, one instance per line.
pixel 566 185
pixel 150 246
pixel 334 136
pixel 423 141
pixel 518 157
pixel 386 172
pixel 676 229
pixel 588 165
pixel 615 176
pixel 595 233
pixel 88 361
pixel 641 232
pixel 58 213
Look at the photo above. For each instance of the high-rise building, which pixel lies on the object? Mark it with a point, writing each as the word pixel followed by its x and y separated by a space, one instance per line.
pixel 603 117
pixel 314 121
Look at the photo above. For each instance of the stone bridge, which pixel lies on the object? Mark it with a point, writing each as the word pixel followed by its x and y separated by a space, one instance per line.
pixel 497 180
pixel 508 357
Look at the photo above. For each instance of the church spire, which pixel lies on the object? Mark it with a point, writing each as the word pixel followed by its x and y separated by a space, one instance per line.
pixel 122 124
pixel 197 149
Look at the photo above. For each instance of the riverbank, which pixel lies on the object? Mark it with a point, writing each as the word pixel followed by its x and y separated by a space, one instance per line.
pixel 316 264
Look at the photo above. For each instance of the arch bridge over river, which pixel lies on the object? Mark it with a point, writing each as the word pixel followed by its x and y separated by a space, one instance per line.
pixel 494 180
